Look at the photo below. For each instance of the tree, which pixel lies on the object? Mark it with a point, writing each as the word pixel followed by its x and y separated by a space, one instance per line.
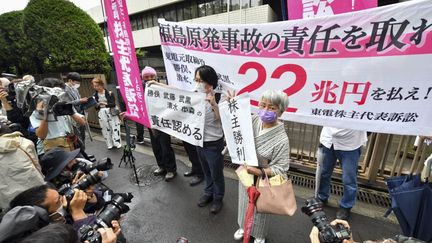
pixel 14 56
pixel 64 38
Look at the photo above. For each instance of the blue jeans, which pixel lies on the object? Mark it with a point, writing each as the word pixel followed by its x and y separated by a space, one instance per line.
pixel 349 163
pixel 212 165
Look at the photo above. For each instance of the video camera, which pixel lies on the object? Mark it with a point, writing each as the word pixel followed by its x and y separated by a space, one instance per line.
pixel 102 165
pixel 91 179
pixel 112 211
pixel 55 100
pixel 327 232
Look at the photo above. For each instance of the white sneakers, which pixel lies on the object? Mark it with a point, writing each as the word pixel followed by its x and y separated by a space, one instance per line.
pixel 238 235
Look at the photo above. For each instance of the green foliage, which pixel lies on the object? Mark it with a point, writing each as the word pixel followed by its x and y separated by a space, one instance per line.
pixel 64 38
pixel 14 45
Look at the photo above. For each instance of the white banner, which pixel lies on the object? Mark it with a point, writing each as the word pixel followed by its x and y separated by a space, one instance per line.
pixel 176 112
pixel 237 126
pixel 367 70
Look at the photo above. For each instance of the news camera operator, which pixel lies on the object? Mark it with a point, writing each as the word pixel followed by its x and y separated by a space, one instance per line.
pixel 13 113
pixel 55 131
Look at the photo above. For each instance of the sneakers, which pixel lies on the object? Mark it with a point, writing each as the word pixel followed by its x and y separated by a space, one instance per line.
pixel 169 176
pixel 109 148
pixel 259 240
pixel 216 206
pixel 159 171
pixel 238 235
pixel 119 146
pixel 204 200
pixel 140 141
pixel 343 213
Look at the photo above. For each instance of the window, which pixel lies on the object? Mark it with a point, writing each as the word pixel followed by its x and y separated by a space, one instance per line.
pixel 187 13
pixel 144 21
pixel 180 13
pixel 224 5
pixel 133 23
pixel 170 14
pixel 234 5
pixel 254 3
pixel 139 22
pixel 210 8
pixel 194 10
pixel 155 18
pixel 201 8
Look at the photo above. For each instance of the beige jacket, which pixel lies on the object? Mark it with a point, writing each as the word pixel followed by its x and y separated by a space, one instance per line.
pixel 19 167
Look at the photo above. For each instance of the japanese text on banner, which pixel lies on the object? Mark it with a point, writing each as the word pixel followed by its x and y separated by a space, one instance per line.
pixel 367 70
pixel 237 126
pixel 125 61
pixel 176 112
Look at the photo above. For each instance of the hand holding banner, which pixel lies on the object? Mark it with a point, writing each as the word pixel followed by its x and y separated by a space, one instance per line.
pixel 237 126
pixel 177 112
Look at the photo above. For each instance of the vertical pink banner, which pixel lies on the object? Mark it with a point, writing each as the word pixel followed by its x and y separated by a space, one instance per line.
pixel 305 9
pixel 125 61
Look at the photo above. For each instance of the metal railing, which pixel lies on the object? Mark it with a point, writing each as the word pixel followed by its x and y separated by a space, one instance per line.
pixel 385 155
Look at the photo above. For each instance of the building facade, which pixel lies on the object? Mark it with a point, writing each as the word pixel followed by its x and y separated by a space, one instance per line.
pixel 143 15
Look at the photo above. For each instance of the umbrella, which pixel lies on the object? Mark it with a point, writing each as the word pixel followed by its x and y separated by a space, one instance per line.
pixel 253 195
pixel 411 202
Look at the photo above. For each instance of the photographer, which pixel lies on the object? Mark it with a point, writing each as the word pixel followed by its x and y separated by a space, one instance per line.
pixel 60 167
pixel 56 206
pixel 14 114
pixel 71 88
pixel 54 131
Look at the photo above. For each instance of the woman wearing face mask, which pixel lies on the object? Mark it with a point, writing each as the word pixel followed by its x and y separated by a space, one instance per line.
pixel 272 148
pixel 210 154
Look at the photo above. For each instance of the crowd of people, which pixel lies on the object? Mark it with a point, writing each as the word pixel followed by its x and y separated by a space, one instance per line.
pixel 43 149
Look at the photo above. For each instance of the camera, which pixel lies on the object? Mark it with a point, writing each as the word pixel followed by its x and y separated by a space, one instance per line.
pixel 111 212
pixel 327 232
pixel 91 179
pixel 102 165
pixel 55 100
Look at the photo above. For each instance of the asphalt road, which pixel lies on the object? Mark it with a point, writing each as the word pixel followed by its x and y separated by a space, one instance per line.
pixel 163 211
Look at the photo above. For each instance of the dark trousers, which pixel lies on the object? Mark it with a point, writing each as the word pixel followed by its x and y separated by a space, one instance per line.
pixel 162 150
pixel 191 151
pixel 140 131
pixel 212 165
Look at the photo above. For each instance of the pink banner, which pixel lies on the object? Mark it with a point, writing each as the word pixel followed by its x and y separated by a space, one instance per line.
pixel 126 65
pixel 305 9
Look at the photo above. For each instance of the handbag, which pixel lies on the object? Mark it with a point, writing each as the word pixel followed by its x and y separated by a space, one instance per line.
pixel 276 196
pixel 114 111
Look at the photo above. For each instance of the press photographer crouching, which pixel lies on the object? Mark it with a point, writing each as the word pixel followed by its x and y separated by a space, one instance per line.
pixel 65 170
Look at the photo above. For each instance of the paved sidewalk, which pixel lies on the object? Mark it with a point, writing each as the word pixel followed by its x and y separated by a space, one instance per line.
pixel 163 211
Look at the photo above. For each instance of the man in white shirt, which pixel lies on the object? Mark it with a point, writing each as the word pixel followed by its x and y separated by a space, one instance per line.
pixel 343 145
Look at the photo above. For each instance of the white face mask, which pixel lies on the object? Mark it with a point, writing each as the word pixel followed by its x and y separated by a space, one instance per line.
pixel 76 86
pixel 200 87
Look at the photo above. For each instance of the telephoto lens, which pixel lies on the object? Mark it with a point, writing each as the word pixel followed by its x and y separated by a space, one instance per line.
pixel 327 232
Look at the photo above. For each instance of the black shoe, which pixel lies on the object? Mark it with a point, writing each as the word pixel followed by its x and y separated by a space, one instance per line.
pixel 140 141
pixel 188 174
pixel 204 200
pixel 216 206
pixel 169 176
pixel 343 213
pixel 195 180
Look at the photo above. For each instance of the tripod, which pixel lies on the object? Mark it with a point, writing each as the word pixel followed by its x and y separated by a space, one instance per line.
pixel 128 157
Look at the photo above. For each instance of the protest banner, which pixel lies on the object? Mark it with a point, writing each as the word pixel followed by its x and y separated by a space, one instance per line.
pixel 237 126
pixel 125 61
pixel 177 112
pixel 366 70
pixel 304 9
